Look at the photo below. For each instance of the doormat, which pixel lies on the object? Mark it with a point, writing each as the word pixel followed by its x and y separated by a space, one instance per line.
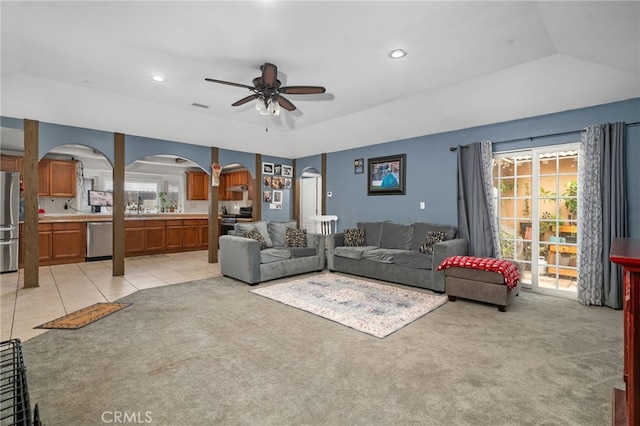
pixel 371 308
pixel 84 316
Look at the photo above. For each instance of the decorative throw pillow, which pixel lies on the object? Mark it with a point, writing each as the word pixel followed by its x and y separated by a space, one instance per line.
pixel 354 237
pixel 256 235
pixel 296 237
pixel 430 240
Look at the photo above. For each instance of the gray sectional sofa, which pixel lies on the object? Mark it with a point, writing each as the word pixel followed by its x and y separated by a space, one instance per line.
pixel 242 258
pixel 391 252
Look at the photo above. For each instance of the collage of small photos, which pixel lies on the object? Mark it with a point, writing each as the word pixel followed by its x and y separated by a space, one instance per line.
pixel 276 178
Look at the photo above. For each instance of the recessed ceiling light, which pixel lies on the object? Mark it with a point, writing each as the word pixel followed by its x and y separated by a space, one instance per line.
pixel 397 54
pixel 158 78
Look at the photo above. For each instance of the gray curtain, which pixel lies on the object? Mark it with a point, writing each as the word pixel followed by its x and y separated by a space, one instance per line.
pixel 602 213
pixel 477 220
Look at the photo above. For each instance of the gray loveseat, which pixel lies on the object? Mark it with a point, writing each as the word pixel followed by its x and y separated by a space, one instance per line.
pixel 391 252
pixel 242 258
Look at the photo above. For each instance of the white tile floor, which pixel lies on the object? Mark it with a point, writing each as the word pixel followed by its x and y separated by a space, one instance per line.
pixel 66 288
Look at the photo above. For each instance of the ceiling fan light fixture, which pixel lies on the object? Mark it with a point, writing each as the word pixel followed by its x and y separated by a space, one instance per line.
pixel 397 53
pixel 158 78
pixel 261 106
pixel 274 108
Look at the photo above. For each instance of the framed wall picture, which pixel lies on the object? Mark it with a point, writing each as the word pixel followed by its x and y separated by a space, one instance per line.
pixel 387 175
pixel 267 168
pixel 266 196
pixel 277 169
pixel 267 181
pixel 277 197
pixel 358 166
pixel 287 171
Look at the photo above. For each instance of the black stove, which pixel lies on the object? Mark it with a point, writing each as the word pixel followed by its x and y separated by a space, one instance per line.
pixel 245 213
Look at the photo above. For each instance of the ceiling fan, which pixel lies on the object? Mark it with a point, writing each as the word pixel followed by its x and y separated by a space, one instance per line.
pixel 268 92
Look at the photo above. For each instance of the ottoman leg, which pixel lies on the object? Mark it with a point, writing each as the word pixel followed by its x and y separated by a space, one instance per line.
pixel 502 308
pixel 452 298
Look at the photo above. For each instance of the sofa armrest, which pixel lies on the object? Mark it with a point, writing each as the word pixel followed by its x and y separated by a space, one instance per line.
pixel 318 241
pixel 240 258
pixel 442 250
pixel 333 241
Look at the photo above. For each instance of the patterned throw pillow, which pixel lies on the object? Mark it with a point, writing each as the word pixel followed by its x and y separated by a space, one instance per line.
pixel 296 237
pixel 430 240
pixel 354 237
pixel 256 235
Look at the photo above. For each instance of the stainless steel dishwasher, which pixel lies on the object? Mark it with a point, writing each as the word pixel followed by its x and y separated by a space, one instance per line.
pixel 99 240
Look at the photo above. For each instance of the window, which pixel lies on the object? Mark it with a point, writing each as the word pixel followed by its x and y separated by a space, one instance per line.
pixel 537 213
pixel 138 195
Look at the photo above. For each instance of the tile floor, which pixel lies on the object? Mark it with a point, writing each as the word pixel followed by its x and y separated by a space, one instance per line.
pixel 66 288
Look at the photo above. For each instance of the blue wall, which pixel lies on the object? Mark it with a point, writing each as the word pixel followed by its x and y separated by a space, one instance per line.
pixel 431 166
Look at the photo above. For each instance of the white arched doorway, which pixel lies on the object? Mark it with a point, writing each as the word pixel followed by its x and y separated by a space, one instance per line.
pixel 310 198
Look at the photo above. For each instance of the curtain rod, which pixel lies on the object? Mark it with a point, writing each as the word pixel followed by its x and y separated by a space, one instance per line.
pixel 531 138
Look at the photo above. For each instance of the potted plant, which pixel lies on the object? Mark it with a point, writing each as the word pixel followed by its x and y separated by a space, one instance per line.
pixel 163 201
pixel 571 190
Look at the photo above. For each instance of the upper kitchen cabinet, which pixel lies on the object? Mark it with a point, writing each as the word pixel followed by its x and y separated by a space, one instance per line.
pixel 233 184
pixel 11 163
pixel 57 178
pixel 197 186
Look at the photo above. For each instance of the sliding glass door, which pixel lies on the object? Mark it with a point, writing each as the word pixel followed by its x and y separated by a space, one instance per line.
pixel 536 199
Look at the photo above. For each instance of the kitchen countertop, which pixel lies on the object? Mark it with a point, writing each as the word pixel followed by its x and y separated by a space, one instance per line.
pixel 59 218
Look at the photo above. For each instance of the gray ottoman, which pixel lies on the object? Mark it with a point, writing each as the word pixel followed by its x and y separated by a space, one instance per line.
pixel 482 286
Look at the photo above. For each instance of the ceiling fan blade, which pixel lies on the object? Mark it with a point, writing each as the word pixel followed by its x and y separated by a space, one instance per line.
pixel 229 83
pixel 302 90
pixel 245 100
pixel 285 103
pixel 269 74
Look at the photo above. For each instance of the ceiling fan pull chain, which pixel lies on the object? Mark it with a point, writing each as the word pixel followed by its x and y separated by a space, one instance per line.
pixel 266 123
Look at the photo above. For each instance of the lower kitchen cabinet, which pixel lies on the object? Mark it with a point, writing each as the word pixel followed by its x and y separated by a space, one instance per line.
pixel 203 228
pixel 59 243
pixel 66 242
pixel 174 234
pixel 45 243
pixel 190 234
pixel 153 236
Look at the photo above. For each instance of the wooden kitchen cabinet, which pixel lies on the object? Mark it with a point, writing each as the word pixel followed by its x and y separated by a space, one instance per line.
pixel 43 177
pixel 154 237
pixel 57 178
pixel 190 233
pixel 174 234
pixel 45 243
pixel 197 186
pixel 203 227
pixel 238 178
pixel 60 243
pixel 69 242
pixel 11 163
pixel 133 237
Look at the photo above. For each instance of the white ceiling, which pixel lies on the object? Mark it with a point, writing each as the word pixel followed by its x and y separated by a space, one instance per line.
pixel 89 64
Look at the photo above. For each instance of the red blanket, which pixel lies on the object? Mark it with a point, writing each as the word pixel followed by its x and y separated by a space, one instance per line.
pixel 504 267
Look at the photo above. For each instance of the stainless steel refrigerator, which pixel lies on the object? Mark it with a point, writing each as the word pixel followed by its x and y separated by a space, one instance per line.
pixel 9 220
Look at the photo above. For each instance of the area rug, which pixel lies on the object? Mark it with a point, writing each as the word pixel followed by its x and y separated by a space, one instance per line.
pixel 371 308
pixel 85 316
